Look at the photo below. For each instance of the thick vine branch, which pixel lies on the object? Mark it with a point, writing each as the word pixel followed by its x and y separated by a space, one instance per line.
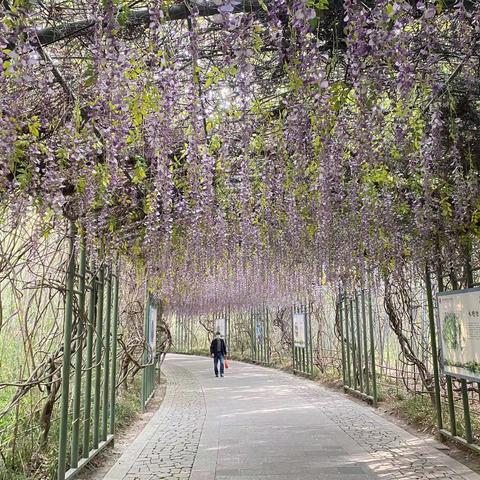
pixel 137 18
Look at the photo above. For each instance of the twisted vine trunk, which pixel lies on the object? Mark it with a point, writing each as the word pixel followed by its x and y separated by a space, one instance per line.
pixel 398 306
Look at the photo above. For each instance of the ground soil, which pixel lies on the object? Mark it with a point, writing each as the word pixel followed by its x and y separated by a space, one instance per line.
pixel 102 463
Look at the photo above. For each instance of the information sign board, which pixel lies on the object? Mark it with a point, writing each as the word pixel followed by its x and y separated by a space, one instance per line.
pixel 459 333
pixel 221 326
pixel 299 326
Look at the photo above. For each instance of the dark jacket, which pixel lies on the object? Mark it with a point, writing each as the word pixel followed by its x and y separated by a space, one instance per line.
pixel 218 346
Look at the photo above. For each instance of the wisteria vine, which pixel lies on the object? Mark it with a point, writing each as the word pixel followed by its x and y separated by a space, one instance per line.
pixel 247 151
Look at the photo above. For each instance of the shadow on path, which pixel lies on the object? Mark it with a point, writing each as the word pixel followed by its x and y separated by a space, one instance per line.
pixel 263 424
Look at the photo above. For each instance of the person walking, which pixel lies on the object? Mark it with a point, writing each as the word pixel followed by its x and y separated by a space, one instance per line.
pixel 218 351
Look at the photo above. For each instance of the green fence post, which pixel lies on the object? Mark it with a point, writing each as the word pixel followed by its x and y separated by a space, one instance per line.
pixel 67 346
pixel 466 411
pixel 113 384
pixel 466 404
pixel 294 366
pixel 303 356
pixel 269 345
pixel 365 343
pixel 310 338
pixel 106 368
pixel 433 340
pixel 98 359
pixel 253 335
pixel 372 350
pixel 264 324
pixel 451 406
pixel 146 323
pixel 353 334
pixel 305 348
pixel 347 341
pixel 359 341
pixel 88 366
pixel 77 393
pixel 342 344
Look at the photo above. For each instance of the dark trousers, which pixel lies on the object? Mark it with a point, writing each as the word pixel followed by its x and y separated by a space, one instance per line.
pixel 218 358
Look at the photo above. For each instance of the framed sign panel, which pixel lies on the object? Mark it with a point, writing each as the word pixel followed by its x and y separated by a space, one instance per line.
pixel 260 331
pixel 459 333
pixel 152 331
pixel 221 326
pixel 299 326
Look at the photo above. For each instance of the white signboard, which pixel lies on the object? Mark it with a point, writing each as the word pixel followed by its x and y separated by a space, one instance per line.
pixel 152 331
pixel 459 333
pixel 299 330
pixel 221 326
pixel 259 331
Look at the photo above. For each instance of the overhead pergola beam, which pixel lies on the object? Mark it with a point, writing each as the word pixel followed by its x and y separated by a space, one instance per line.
pixel 141 17
pixel 137 18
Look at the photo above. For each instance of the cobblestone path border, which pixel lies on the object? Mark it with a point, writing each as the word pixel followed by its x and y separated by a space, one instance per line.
pixel 167 447
pixel 395 453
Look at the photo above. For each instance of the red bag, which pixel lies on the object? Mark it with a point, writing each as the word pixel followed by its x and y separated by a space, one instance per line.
pixel 226 362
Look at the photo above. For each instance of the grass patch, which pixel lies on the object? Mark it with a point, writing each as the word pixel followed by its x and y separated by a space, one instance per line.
pixel 32 462
pixel 418 411
pixel 128 405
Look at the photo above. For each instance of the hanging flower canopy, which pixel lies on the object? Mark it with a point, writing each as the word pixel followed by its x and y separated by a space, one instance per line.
pixel 246 149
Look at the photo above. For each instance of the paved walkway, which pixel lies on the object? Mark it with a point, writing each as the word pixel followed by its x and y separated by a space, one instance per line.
pixel 261 424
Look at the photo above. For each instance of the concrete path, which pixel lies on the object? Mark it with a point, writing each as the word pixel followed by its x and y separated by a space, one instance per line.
pixel 261 424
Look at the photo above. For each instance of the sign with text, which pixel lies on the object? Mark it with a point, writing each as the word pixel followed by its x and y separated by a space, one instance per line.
pixel 221 326
pixel 259 330
pixel 299 326
pixel 459 333
pixel 152 332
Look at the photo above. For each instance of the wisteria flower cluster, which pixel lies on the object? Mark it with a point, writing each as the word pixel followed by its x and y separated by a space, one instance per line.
pixel 247 152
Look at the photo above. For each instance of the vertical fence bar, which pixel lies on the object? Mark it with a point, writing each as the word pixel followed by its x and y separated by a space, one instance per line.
pixel 365 343
pixel 252 333
pixel 98 359
pixel 293 339
pixel 265 334
pixel 451 406
pixel 67 346
pixel 359 342
pixel 88 366
pixel 113 381
pixel 77 392
pixel 466 412
pixel 342 340
pixel 372 350
pixel 347 341
pixel 310 343
pixel 354 347
pixel 145 353
pixel 106 368
pixel 433 341
pixel 268 336
pixel 463 382
pixel 304 350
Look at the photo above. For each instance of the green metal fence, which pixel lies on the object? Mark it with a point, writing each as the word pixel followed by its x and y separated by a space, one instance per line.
pixel 150 358
pixel 302 348
pixel 183 334
pixel 356 325
pixel 457 414
pixel 260 334
pixel 87 410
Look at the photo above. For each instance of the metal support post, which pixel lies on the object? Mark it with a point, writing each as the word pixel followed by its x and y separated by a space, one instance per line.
pixel 67 347
pixel 77 392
